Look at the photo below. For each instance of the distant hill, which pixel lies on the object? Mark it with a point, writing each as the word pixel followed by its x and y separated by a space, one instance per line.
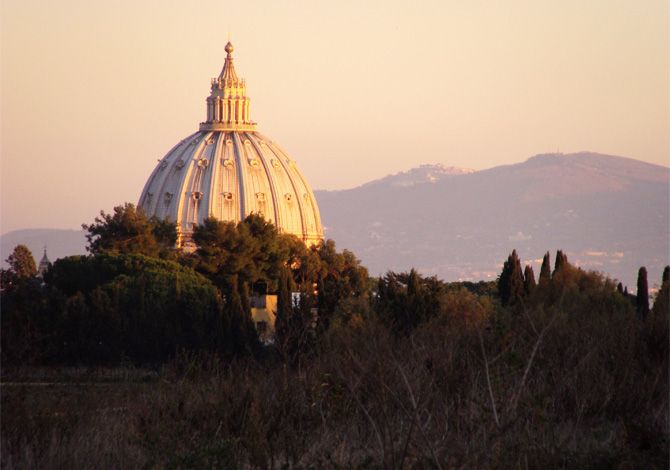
pixel 429 173
pixel 609 213
pixel 59 243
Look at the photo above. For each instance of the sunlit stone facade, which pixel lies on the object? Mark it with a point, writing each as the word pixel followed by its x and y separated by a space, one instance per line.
pixel 228 170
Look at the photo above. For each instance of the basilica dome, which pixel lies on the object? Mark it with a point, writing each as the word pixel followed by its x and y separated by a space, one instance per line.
pixel 228 170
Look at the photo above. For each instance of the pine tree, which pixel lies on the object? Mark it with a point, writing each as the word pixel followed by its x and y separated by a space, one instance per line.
pixel 528 280
pixel 642 298
pixel 545 270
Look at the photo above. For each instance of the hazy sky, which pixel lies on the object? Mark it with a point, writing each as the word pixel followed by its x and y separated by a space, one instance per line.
pixel 93 93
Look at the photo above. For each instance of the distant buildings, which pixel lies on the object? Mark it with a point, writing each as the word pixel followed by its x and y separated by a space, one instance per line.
pixel 44 264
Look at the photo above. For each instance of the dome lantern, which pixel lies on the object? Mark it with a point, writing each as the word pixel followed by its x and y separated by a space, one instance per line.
pixel 228 103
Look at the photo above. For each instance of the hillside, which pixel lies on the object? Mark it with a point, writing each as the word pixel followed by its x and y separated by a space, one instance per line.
pixel 609 213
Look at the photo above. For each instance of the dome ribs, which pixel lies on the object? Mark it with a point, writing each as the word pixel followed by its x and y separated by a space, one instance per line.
pixel 268 175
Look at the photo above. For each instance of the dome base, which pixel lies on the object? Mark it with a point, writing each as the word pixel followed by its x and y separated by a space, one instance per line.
pixel 227 126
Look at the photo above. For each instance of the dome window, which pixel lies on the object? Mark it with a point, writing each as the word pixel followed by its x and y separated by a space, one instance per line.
pixel 275 163
pixel 210 141
pixel 227 196
pixel 253 161
pixel 167 198
pixel 197 195
pixel 164 165
pixel 288 196
pixel 180 164
pixel 227 162
pixel 260 197
pixel 203 162
pixel 229 142
pixel 148 199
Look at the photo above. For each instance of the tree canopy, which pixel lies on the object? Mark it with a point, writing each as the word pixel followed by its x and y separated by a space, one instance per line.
pixel 128 230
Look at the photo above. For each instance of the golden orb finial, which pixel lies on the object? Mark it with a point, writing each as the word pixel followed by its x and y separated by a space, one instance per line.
pixel 229 48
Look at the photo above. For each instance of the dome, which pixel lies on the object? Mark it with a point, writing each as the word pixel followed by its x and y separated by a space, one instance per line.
pixel 228 170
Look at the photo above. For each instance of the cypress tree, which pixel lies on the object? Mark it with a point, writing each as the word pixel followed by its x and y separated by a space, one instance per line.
pixel 243 331
pixel 416 308
pixel 561 261
pixel 510 282
pixel 642 299
pixel 619 288
pixel 284 309
pixel 662 300
pixel 528 279
pixel 545 270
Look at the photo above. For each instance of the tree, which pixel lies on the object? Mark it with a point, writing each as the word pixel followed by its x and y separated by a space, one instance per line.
pixel 510 282
pixel 340 278
pixel 284 308
pixel 406 300
pixel 133 307
pixel 642 298
pixel 661 307
pixel 545 270
pixel 528 280
pixel 22 263
pixel 619 288
pixel 21 268
pixel 21 307
pixel 128 230
pixel 561 261
pixel 251 250
pixel 243 333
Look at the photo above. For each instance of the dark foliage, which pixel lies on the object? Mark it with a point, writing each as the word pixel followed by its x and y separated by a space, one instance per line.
pixel 545 270
pixel 128 230
pixel 22 269
pixel 561 261
pixel 642 297
pixel 109 309
pixel 528 280
pixel 511 281
pixel 577 382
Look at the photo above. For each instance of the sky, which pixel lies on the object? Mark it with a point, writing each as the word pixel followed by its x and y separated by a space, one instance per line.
pixel 94 93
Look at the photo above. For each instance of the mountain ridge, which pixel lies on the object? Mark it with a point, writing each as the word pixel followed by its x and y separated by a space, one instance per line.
pixel 464 226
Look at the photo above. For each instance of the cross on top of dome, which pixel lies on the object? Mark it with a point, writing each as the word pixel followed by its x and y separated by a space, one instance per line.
pixel 228 74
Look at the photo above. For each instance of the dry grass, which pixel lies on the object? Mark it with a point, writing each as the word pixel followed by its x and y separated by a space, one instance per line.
pixel 533 390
